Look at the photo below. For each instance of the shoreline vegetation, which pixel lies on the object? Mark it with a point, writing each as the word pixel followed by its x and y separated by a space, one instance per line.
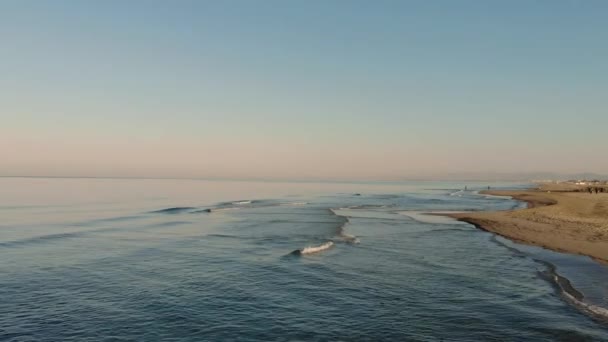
pixel 560 216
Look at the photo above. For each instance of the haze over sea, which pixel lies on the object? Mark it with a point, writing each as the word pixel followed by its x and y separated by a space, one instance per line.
pixel 192 260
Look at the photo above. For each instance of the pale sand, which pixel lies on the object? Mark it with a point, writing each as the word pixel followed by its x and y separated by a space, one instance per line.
pixel 572 222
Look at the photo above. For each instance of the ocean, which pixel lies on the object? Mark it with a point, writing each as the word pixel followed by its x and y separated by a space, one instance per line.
pixel 199 260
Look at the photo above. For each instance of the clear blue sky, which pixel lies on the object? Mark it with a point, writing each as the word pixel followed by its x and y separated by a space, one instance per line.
pixel 302 89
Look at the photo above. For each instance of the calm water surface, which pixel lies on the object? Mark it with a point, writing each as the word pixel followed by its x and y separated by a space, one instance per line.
pixel 186 260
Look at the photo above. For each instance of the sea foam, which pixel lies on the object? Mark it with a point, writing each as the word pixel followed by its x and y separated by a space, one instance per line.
pixel 317 249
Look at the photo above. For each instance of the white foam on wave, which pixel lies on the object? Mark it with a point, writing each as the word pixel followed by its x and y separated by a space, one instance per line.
pixel 377 213
pixel 432 216
pixel 591 309
pixel 294 203
pixel 317 249
pixel 342 230
pixel 350 238
pixel 241 202
pixel 478 193
pixel 497 197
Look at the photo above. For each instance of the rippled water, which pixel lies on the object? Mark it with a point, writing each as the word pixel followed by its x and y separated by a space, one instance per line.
pixel 91 259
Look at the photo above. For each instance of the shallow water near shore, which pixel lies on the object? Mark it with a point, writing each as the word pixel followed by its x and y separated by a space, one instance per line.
pixel 191 260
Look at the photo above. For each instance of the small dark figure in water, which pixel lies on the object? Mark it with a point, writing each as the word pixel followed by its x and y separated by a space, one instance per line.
pixel 488 187
pixel 465 188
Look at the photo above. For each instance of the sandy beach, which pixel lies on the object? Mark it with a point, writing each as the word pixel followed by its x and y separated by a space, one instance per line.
pixel 556 218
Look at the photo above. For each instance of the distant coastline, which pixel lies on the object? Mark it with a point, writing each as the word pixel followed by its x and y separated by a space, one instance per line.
pixel 558 218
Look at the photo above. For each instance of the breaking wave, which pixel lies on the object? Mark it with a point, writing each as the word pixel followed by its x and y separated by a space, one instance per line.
pixel 293 203
pixel 573 296
pixel 313 249
pixel 174 210
pixel 435 217
pixel 224 206
pixel 341 230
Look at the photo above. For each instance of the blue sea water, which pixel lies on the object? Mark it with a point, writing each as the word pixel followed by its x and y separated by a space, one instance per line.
pixel 192 260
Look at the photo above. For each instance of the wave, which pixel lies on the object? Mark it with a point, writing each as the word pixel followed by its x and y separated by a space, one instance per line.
pixel 41 239
pixel 173 210
pixel 197 210
pixel 435 217
pixel 341 230
pixel 223 206
pixel 313 249
pixel 167 224
pixel 212 210
pixel 573 296
pixel 113 219
pixel 570 294
pixel 52 237
pixel 293 203
pixel 457 193
pixel 497 197
pixel 350 238
pixel 241 204
pixel 200 211
pixel 369 206
pixel 226 236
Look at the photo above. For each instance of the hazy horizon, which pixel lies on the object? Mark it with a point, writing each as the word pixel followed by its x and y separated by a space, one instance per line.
pixel 459 177
pixel 303 90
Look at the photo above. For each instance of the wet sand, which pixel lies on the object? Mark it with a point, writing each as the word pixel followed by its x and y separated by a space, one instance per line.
pixel 572 222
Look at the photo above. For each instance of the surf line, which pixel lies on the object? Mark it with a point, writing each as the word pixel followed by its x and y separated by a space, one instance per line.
pixel 573 296
pixel 565 289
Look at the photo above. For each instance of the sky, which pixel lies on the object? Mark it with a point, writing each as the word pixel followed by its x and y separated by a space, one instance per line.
pixel 328 89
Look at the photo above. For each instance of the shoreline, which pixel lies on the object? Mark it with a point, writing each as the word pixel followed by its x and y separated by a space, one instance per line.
pixel 556 219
